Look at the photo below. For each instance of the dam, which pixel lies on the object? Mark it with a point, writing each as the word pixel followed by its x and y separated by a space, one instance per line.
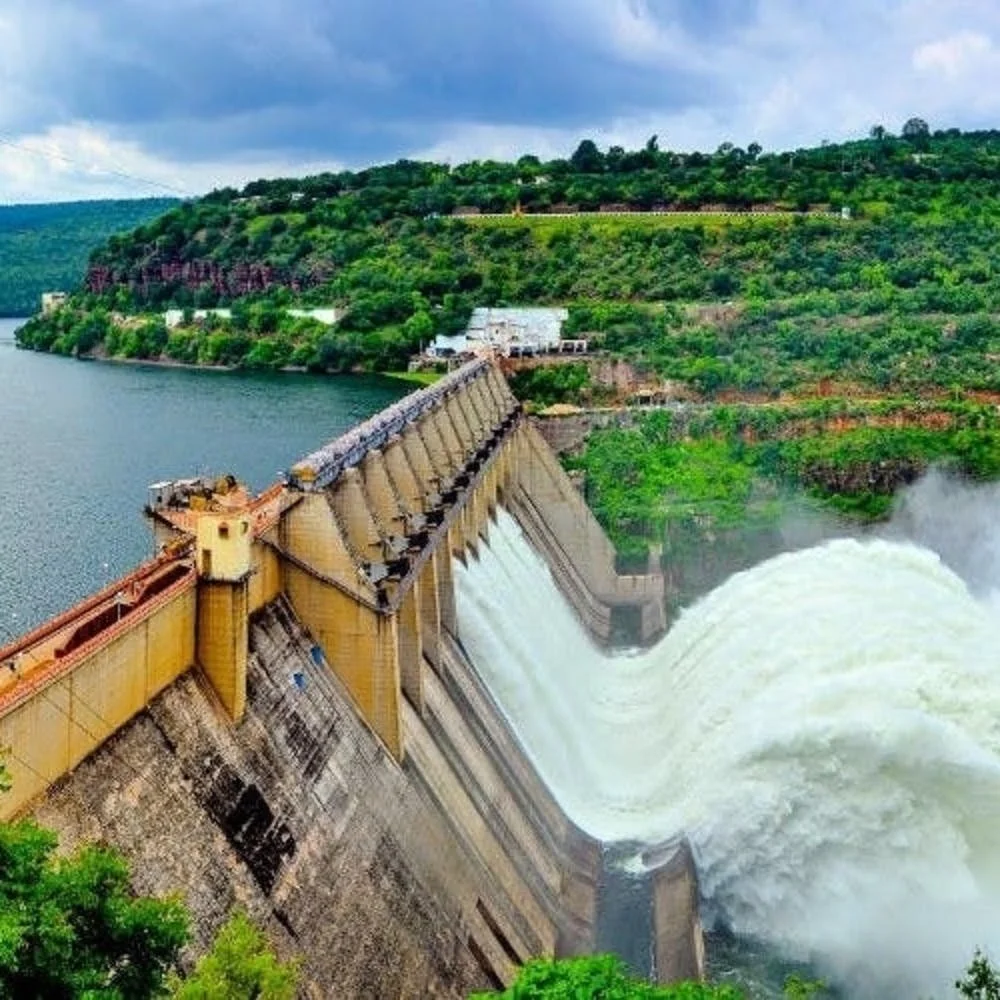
pixel 821 727
pixel 278 709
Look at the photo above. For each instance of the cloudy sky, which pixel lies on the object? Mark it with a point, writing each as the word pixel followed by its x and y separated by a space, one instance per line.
pixel 103 97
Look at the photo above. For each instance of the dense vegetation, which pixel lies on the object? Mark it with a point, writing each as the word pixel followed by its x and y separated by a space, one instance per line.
pixel 46 247
pixel 70 928
pixel 603 977
pixel 550 384
pixel 714 487
pixel 901 304
pixel 708 466
pixel 903 293
pixel 239 966
pixel 920 172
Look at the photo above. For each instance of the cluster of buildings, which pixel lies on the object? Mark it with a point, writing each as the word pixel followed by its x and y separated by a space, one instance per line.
pixel 510 333
pixel 326 315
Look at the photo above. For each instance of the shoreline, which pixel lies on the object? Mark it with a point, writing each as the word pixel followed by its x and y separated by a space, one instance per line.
pixel 413 378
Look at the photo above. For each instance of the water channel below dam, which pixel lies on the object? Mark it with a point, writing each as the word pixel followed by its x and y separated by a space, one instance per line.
pixel 825 727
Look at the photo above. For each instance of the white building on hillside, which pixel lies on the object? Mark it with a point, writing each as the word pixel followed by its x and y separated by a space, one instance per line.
pixel 328 315
pixel 52 302
pixel 508 332
pixel 174 317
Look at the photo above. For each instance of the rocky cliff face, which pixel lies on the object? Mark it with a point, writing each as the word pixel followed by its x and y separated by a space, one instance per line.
pixel 430 879
pixel 229 281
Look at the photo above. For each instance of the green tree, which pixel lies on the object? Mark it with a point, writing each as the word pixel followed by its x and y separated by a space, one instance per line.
pixel 419 328
pixel 598 977
pixel 917 132
pixel 551 384
pixel 70 926
pixel 588 158
pixel 981 980
pixel 239 966
pixel 797 988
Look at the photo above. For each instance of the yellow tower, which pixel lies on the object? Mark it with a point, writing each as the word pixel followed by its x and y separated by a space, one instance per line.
pixel 223 553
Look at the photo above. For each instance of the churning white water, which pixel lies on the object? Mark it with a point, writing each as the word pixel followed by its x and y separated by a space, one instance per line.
pixel 825 728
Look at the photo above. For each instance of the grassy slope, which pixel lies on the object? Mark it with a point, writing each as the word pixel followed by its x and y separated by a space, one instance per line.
pixel 613 223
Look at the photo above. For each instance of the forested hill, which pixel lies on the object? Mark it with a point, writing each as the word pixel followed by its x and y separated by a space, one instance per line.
pixel 319 232
pixel 386 245
pixel 46 247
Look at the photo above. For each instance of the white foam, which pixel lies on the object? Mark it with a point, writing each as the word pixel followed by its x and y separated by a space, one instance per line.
pixel 825 728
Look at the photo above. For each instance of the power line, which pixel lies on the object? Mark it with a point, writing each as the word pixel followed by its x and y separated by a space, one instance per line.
pixel 52 155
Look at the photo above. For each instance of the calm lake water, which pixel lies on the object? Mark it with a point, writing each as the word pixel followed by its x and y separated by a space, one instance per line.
pixel 81 441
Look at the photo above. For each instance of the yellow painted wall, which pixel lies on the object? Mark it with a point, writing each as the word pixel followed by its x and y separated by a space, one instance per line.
pixel 222 640
pixel 51 732
pixel 565 511
pixel 409 635
pixel 265 576
pixel 224 546
pixel 361 646
pixel 382 494
pixel 430 610
pixel 353 514
pixel 309 532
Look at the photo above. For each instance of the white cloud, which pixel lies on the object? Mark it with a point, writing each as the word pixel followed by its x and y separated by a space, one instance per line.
pixel 83 161
pixel 806 71
pixel 495 142
pixel 634 35
pixel 236 91
pixel 963 52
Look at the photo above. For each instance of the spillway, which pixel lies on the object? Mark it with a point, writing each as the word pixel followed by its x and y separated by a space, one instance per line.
pixel 825 728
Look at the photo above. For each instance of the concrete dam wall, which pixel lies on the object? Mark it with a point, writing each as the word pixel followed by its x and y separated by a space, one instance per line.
pixel 428 879
pixel 278 712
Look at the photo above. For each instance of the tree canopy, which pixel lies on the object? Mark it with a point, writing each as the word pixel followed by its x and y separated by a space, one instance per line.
pixel 382 246
pixel 239 966
pixel 599 976
pixel 45 248
pixel 70 926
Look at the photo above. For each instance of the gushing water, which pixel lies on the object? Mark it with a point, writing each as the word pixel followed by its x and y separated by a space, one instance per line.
pixel 825 728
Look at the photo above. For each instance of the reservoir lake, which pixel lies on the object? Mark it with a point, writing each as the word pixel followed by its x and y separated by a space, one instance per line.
pixel 81 441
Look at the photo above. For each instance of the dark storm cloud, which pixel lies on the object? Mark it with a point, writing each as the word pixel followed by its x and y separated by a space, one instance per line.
pixel 193 93
pixel 354 80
